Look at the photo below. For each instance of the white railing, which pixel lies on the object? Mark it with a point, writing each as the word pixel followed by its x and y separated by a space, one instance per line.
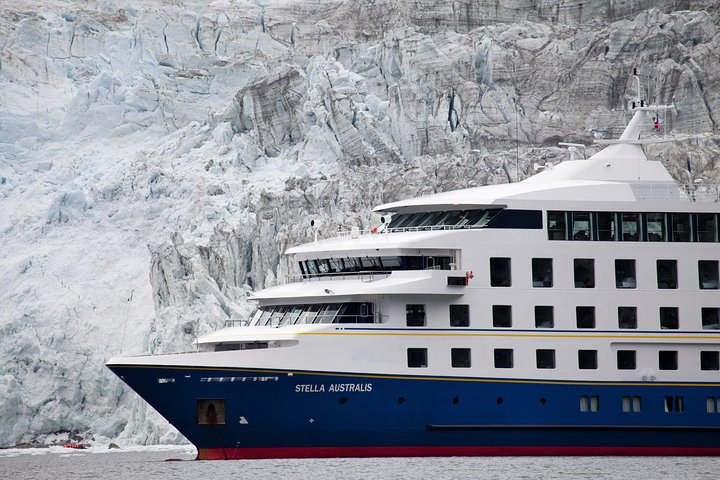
pixel 364 276
pixel 686 192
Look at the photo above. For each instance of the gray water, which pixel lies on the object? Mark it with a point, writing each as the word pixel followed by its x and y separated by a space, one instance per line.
pixel 178 464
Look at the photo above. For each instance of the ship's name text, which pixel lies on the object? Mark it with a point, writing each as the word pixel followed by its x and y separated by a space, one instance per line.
pixel 333 387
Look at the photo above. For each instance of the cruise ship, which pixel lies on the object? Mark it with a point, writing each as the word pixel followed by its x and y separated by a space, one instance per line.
pixel 576 312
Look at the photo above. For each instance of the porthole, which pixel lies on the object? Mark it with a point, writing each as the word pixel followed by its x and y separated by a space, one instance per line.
pixel 499 400
pixel 401 400
pixel 343 400
pixel 456 400
pixel 543 401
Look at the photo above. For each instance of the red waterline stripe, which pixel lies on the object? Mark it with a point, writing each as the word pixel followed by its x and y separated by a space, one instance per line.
pixel 446 451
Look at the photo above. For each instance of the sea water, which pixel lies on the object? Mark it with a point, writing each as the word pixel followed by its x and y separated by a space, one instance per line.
pixel 176 463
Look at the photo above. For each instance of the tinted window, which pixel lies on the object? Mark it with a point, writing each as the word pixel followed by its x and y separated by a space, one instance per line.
pixel 500 272
pixel 585 317
pixel 544 316
pixel 584 272
pixel 625 274
pixel 459 315
pixel 503 358
pixel 542 272
pixel 627 317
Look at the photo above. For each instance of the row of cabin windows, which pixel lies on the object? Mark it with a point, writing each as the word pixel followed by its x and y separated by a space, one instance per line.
pixel 625 273
pixel 669 317
pixel 633 227
pixel 633 404
pixel 329 266
pixel 545 359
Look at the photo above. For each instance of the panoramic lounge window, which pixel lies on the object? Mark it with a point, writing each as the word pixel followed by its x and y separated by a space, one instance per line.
pixel 630 227
pixel 681 230
pixel 708 274
pixel 459 315
pixel 502 315
pixel 557 229
pixel 542 272
pixel 625 274
pixel 581 226
pixel 584 272
pixel 656 230
pixel 667 277
pixel 669 318
pixel 415 315
pixel 707 226
pixel 627 317
pixel 500 272
pixel 585 317
pixel 417 357
pixel 607 226
pixel 544 316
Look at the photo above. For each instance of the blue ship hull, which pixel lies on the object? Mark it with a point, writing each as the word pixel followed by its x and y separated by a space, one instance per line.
pixel 272 414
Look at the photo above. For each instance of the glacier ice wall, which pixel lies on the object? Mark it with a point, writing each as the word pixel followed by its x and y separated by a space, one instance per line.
pixel 157 158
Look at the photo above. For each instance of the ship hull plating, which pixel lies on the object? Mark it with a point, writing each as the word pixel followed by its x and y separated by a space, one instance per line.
pixel 238 413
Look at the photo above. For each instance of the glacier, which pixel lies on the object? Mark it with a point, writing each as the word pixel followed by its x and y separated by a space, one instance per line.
pixel 157 158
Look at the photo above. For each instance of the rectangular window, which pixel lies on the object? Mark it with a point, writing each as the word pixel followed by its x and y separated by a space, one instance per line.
pixel 669 318
pixel 544 316
pixel 542 272
pixel 625 274
pixel 707 227
pixel 581 226
pixel 503 358
pixel 630 227
pixel 545 358
pixel 585 317
pixel 584 272
pixel 710 318
pixel 712 404
pixel 587 359
pixel 674 404
pixel 415 315
pixel 631 404
pixel 589 403
pixel 607 226
pixel 668 359
pixel 667 274
pixel 708 274
pixel 709 360
pixel 417 357
pixel 502 316
pixel 681 230
pixel 626 360
pixel 500 272
pixel 557 229
pixel 627 317
pixel 656 230
pixel 459 315
pixel 460 357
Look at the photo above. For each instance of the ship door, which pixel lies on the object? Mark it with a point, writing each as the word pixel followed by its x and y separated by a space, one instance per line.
pixel 211 412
